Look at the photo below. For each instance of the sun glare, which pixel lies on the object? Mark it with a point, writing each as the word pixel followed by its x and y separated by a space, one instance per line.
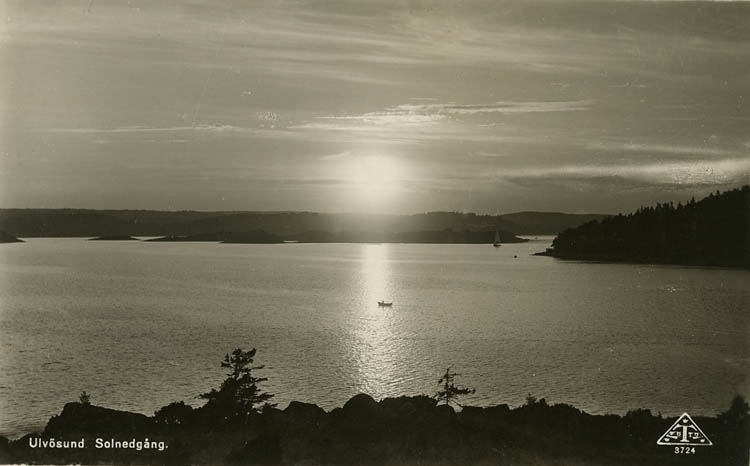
pixel 374 181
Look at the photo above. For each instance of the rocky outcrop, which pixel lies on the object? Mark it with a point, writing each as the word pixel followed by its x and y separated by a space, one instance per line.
pixel 82 419
pixel 394 431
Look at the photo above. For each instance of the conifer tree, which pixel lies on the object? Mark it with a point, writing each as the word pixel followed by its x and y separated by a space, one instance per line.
pixel 239 395
pixel 450 392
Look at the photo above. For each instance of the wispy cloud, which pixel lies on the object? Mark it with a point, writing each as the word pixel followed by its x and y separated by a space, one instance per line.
pixel 666 149
pixel 580 92
pixel 703 172
pixel 426 114
pixel 145 129
pixel 505 108
pixel 337 156
pixel 482 153
pixel 168 134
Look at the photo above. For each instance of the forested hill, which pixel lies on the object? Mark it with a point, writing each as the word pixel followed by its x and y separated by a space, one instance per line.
pixel 712 231
pixel 83 222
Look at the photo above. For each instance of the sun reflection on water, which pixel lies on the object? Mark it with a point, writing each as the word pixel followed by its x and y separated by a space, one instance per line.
pixel 376 351
pixel 376 277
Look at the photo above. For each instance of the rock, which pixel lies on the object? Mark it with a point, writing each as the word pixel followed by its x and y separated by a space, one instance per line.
pixel 409 403
pixel 361 406
pixel 298 412
pixel 446 411
pixel 498 410
pixel 78 418
pixel 471 412
pixel 4 450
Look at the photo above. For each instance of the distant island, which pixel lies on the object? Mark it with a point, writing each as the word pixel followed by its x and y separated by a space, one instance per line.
pixel 714 231
pixel 108 223
pixel 114 238
pixel 446 236
pixel 8 238
pixel 253 237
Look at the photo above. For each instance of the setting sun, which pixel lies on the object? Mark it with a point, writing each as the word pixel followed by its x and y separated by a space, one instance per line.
pixel 375 180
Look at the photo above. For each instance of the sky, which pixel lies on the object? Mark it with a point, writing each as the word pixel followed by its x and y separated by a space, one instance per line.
pixel 387 106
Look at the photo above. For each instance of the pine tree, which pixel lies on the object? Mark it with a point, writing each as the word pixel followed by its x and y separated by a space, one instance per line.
pixel 450 393
pixel 239 395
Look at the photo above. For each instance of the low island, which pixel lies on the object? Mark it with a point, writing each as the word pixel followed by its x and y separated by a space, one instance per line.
pixel 8 238
pixel 254 237
pixel 114 238
pixel 446 236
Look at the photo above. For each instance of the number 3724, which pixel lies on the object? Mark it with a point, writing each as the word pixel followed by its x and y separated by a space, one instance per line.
pixel 684 450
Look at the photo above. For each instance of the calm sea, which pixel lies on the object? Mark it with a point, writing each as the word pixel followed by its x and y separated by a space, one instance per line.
pixel 138 325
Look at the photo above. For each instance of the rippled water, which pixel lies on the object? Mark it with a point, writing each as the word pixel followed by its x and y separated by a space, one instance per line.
pixel 138 325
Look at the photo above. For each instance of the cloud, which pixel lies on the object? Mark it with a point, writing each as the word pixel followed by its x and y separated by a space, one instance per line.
pixel 182 134
pixel 388 118
pixel 703 172
pixel 428 114
pixel 144 129
pixel 650 149
pixel 505 108
pixel 555 90
pixel 482 153
pixel 337 156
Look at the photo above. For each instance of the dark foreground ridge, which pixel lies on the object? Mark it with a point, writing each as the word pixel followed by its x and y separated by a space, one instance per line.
pixel 394 431
pixel 239 424
pixel 714 231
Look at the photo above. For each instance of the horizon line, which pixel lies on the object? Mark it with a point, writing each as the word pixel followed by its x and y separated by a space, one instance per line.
pixel 270 212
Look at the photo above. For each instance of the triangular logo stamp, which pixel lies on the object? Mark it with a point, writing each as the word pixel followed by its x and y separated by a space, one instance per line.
pixel 684 432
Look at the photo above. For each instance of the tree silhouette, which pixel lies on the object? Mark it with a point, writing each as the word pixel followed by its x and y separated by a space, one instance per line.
pixel 173 415
pixel 712 231
pixel 450 393
pixel 239 395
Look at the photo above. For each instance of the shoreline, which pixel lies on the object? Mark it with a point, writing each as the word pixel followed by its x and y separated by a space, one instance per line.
pixel 597 259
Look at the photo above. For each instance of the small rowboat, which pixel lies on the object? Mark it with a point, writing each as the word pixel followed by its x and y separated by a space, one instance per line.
pixel 384 304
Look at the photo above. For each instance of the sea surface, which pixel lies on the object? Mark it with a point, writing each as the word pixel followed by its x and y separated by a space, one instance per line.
pixel 138 325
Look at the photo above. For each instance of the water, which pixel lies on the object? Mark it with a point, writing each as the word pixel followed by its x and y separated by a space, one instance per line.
pixel 138 325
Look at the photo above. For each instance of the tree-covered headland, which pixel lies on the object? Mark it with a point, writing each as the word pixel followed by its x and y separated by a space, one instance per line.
pixel 714 231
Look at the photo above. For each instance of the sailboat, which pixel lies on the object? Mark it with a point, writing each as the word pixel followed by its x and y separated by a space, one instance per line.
pixel 496 243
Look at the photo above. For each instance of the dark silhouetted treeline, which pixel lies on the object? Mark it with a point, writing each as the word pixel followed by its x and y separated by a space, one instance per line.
pixel 91 223
pixel 442 236
pixel 714 231
pixel 256 237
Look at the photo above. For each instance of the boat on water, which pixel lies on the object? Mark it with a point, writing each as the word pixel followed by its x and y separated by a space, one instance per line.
pixel 384 304
pixel 496 243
